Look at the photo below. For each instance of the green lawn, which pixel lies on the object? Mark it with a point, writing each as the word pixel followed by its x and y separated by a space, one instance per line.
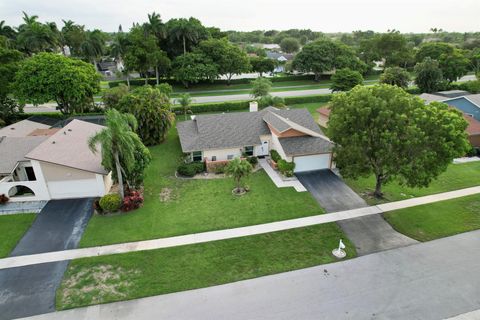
pixel 457 176
pixel 146 273
pixel 175 206
pixel 12 229
pixel 311 107
pixel 437 220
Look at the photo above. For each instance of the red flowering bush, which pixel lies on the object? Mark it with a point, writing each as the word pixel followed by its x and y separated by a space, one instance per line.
pixel 133 200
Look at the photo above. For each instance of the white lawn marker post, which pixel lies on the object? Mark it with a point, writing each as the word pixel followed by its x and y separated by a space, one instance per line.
pixel 339 253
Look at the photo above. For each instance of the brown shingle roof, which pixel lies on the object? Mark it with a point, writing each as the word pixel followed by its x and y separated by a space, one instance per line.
pixel 324 111
pixel 22 128
pixel 473 128
pixel 69 147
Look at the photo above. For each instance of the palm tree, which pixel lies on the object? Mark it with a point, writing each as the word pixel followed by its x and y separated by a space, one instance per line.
pixel 184 100
pixel 29 20
pixel 155 26
pixel 117 141
pixel 238 169
pixel 34 36
pixel 183 29
pixel 93 46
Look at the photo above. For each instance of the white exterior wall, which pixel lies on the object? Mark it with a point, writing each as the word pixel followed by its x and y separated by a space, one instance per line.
pixel 275 144
pixel 38 187
pixel 222 154
pixel 259 150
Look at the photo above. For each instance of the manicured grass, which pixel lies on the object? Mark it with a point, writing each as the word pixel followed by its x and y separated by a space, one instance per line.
pixel 437 220
pixel 12 229
pixel 457 176
pixel 176 206
pixel 146 273
pixel 311 107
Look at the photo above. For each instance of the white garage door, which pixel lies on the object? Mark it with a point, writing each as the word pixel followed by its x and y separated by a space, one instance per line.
pixel 313 162
pixel 73 189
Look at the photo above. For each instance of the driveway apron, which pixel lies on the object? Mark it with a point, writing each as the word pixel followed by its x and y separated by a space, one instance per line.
pixel 369 233
pixel 30 290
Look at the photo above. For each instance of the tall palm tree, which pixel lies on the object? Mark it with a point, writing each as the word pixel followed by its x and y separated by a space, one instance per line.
pixel 117 141
pixel 155 26
pixel 34 36
pixel 29 20
pixel 185 100
pixel 183 29
pixel 93 46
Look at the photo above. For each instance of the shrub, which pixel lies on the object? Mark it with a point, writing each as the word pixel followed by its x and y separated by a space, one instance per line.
pixel 278 102
pixel 3 199
pixel 111 202
pixel 470 86
pixel 308 99
pixel 133 200
pixel 285 167
pixel 253 160
pixel 274 155
pixel 217 166
pixel 191 169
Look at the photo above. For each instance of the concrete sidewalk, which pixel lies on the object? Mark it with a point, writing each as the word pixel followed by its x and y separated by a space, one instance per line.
pixel 27 260
pixel 277 180
pixel 429 281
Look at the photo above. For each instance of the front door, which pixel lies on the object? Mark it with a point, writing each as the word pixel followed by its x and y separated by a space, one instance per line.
pixel 264 148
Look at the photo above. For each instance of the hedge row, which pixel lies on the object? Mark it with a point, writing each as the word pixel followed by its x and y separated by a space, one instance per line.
pixel 244 105
pixel 153 81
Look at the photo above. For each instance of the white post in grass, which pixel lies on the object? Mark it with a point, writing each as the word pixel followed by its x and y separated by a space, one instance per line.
pixel 339 252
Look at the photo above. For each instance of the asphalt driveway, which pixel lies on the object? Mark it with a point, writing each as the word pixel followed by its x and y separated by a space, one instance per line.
pixel 369 233
pixel 330 190
pixel 26 291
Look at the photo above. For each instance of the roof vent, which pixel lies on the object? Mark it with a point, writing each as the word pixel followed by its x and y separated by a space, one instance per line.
pixel 69 130
pixel 53 142
pixel 64 132
pixel 12 128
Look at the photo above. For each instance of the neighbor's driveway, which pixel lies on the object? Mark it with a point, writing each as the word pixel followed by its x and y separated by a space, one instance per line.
pixel 369 233
pixel 30 290
pixel 429 281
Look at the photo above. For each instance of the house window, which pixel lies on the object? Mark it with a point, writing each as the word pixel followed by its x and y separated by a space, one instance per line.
pixel 197 156
pixel 249 151
pixel 214 158
pixel 230 157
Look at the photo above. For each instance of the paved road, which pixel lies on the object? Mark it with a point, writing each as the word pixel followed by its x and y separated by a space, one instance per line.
pixel 369 233
pixel 30 290
pixel 429 281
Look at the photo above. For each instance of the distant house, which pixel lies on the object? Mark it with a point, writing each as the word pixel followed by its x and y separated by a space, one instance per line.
pixel 281 58
pixel 44 163
pixel 223 137
pixel 324 114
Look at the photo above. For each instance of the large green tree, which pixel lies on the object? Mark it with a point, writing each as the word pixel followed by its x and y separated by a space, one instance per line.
pixel 433 50
pixel 10 60
pixel 34 36
pixel 289 45
pixel 51 77
pixel 228 58
pixel 429 76
pixel 123 152
pixel 262 65
pixel 395 76
pixel 454 65
pixel 384 131
pixel 345 80
pixel 192 68
pixel 151 108
pixel 393 48
pixel 183 35
pixel 325 56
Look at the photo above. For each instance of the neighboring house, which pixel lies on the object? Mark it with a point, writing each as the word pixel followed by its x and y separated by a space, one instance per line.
pixel 468 103
pixel 292 133
pixel 324 114
pixel 22 128
pixel 52 164
pixel 281 58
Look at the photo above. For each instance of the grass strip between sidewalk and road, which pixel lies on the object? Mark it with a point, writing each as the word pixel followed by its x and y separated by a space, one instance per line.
pixel 437 220
pixel 146 273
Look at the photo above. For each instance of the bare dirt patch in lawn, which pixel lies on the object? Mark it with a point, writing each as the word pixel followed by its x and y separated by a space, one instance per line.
pixel 97 284
pixel 165 194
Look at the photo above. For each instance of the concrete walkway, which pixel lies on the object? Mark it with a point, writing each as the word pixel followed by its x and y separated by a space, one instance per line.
pixel 429 281
pixel 277 180
pixel 27 260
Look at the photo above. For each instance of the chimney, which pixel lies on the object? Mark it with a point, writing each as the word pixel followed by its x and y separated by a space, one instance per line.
pixel 253 106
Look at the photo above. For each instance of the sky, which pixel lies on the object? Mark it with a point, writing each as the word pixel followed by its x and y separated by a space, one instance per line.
pixel 247 15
